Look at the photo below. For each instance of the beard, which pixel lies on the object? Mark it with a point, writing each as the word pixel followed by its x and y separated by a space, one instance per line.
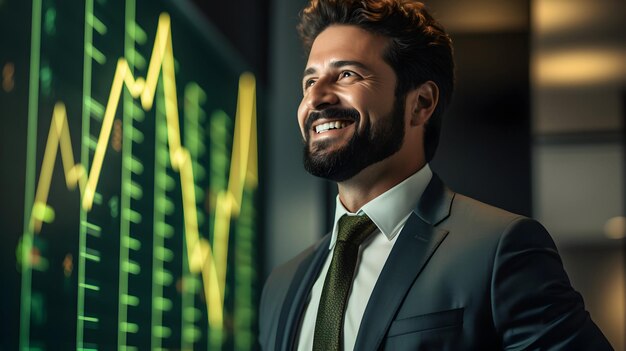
pixel 375 143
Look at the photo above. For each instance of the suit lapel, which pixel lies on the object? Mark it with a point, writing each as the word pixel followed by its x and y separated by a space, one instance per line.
pixel 415 245
pixel 298 294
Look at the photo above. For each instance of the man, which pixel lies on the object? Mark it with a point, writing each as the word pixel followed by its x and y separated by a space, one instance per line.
pixel 409 264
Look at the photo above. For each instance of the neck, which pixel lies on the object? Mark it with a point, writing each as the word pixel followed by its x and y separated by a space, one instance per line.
pixel 376 179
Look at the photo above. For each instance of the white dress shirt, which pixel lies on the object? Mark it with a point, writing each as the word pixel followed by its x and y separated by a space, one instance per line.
pixel 389 211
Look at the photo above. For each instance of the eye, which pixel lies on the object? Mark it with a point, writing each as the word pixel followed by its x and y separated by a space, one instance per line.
pixel 308 83
pixel 350 75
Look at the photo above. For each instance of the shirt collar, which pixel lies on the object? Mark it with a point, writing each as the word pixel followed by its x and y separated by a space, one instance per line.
pixel 390 209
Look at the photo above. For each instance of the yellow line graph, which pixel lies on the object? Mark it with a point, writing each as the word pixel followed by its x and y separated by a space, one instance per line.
pixel 210 261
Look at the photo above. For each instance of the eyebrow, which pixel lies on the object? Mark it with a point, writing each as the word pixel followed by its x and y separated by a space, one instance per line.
pixel 336 64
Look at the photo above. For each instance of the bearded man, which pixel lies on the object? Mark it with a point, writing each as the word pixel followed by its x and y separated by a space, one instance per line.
pixel 409 264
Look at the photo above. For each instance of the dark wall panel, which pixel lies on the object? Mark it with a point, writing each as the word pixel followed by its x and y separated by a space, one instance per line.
pixel 485 144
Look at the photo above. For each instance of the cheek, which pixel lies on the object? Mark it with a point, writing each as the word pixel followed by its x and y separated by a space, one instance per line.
pixel 302 112
pixel 357 100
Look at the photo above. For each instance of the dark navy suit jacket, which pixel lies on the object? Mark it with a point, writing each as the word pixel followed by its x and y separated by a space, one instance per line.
pixel 462 275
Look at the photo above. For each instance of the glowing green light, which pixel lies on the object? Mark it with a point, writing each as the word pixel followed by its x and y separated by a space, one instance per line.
pixel 97 198
pixel 163 254
pixel 165 205
pixel 134 110
pixel 131 215
pixel 191 334
pixel 162 156
pixel 161 331
pixel 93 21
pixel 163 229
pixel 161 129
pixel 137 60
pixel 95 108
pixel 96 54
pixel 90 142
pixel 43 212
pixel 192 314
pixel 89 286
pixel 198 171
pixel 131 243
pixel 191 284
pixel 134 134
pixel 244 340
pixel 137 33
pixel 133 164
pixel 194 143
pixel 201 217
pixel 49 21
pixel 114 206
pixel 220 162
pixel 46 77
pixel 165 182
pixel 88 319
pixel 129 300
pixel 91 109
pixel 162 303
pixel 131 267
pixel 129 327
pixel 92 229
pixel 216 338
pixel 133 190
pixel 162 277
pixel 91 255
pixel 199 194
pixel 169 182
pixel 128 215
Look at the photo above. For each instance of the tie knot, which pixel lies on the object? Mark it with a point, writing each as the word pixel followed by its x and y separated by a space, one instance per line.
pixel 355 229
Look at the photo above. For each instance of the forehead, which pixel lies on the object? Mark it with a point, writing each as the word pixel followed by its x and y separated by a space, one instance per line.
pixel 347 42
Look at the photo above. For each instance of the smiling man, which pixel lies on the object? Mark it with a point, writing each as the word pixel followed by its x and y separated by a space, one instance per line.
pixel 409 264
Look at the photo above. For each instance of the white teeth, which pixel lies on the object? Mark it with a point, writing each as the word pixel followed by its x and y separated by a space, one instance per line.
pixel 329 125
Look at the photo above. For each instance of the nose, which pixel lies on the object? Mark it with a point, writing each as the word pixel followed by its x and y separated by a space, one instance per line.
pixel 320 95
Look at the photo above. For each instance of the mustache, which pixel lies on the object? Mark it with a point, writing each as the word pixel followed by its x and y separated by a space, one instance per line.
pixel 333 112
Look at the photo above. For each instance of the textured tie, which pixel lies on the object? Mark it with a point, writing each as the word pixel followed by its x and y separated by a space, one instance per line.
pixel 353 230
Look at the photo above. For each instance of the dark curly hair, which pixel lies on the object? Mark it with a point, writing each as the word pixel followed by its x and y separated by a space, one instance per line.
pixel 419 48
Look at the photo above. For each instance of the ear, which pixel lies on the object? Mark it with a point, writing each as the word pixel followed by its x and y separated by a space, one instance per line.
pixel 422 102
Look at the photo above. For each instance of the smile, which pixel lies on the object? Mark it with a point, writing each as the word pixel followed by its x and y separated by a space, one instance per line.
pixel 324 127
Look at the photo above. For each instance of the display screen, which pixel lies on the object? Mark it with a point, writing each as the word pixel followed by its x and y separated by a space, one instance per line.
pixel 129 154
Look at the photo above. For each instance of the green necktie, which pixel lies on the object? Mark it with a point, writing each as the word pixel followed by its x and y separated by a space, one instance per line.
pixel 353 230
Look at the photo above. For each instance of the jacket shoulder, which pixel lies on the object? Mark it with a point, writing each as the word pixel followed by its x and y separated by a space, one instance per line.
pixel 274 294
pixel 468 211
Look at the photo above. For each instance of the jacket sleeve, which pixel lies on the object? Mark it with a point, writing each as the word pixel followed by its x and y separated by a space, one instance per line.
pixel 274 295
pixel 272 299
pixel 533 303
pixel 268 318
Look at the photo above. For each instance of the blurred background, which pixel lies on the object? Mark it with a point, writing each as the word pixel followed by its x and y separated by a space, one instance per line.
pixel 536 126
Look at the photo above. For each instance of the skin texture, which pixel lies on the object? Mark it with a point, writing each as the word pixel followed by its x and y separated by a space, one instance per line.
pixel 346 69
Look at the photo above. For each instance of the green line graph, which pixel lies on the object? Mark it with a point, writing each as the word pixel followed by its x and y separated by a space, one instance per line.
pixel 126 261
